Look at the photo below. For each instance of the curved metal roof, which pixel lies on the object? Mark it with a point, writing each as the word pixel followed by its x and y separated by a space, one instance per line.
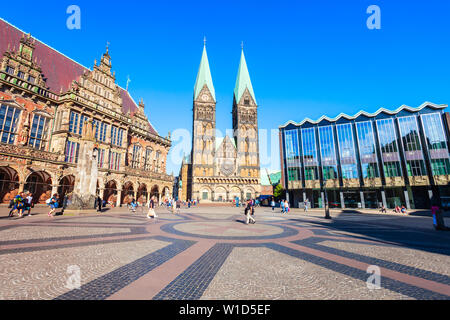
pixel 367 114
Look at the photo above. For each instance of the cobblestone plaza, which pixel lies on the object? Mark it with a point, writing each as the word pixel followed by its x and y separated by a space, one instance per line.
pixel 208 253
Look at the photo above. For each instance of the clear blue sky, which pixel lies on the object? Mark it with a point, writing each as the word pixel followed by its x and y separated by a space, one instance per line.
pixel 306 58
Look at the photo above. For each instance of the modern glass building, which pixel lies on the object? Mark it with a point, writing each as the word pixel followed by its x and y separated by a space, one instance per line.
pixel 393 158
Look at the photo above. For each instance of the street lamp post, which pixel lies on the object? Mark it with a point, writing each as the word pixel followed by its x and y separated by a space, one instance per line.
pixel 327 207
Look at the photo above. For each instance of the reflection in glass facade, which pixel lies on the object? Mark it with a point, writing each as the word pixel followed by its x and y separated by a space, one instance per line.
pixel 390 156
pixel 293 164
pixel 436 144
pixel 347 151
pixel 367 150
pixel 412 147
pixel 310 161
pixel 328 153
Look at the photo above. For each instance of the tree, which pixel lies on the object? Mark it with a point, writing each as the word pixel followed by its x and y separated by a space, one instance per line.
pixel 278 192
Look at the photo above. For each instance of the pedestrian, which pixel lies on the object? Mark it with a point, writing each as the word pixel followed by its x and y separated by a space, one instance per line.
pixel 286 207
pixel 151 210
pixel 178 204
pixel 272 204
pixel 18 205
pixel 282 206
pixel 29 202
pixel 403 210
pixel 248 210
pixel 189 203
pixel 133 205
pixel 53 203
pixel 99 204
pixel 305 204
pixel 383 209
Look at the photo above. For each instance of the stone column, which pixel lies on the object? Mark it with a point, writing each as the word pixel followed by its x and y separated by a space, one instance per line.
pixel 342 200
pixel 430 194
pixel 304 196
pixel 383 198
pixel 119 198
pixel 322 194
pixel 408 206
pixel 54 189
pixel 363 204
pixel 21 186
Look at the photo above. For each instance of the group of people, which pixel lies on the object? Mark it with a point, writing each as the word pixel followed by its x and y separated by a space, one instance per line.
pixel 397 209
pixel 21 202
pixel 24 202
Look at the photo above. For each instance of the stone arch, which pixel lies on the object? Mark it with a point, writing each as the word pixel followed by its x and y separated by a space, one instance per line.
pixel 66 185
pixel 110 192
pixel 142 194
pixel 127 192
pixel 165 193
pixel 9 184
pixel 220 194
pixel 39 183
pixel 205 193
pixel 249 193
pixel 155 191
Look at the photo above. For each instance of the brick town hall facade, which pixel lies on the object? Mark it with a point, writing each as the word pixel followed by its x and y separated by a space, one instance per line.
pixel 45 98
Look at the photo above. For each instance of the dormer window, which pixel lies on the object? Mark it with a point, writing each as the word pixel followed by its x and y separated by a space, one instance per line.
pixel 32 79
pixel 10 70
pixel 246 102
pixel 21 75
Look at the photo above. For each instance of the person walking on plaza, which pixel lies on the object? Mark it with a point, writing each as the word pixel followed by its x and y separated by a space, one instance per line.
pixel 282 206
pixel 383 209
pixel 286 206
pixel 178 203
pixel 99 204
pixel 53 203
pixel 151 210
pixel 133 205
pixel 305 204
pixel 29 200
pixel 272 204
pixel 248 210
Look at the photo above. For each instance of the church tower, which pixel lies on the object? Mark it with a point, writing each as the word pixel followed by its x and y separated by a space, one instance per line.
pixel 204 121
pixel 245 124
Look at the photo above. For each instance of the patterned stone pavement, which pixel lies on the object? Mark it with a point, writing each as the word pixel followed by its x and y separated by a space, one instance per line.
pixel 210 253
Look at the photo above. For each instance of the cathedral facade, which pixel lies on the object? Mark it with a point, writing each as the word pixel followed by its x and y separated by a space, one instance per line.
pixel 223 169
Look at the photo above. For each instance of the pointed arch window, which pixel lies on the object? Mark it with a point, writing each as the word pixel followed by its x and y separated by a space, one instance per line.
pixel 136 158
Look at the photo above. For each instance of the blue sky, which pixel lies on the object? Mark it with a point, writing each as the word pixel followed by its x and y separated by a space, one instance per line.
pixel 306 58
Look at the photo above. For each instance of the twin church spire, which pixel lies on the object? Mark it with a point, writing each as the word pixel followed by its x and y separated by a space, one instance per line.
pixel 204 78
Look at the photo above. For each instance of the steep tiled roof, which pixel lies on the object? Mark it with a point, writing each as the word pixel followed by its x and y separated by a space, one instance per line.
pixel 59 69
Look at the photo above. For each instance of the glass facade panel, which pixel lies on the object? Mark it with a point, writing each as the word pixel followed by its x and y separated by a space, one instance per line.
pixel 367 150
pixel 310 161
pixel 389 148
pixel 436 143
pixel 8 123
pixel 328 153
pixel 292 152
pixel 347 151
pixel 412 147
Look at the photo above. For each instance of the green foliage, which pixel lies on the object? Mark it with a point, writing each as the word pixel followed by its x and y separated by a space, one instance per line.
pixel 278 192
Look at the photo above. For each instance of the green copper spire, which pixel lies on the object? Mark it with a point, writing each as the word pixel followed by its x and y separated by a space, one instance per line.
pixel 243 80
pixel 204 76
